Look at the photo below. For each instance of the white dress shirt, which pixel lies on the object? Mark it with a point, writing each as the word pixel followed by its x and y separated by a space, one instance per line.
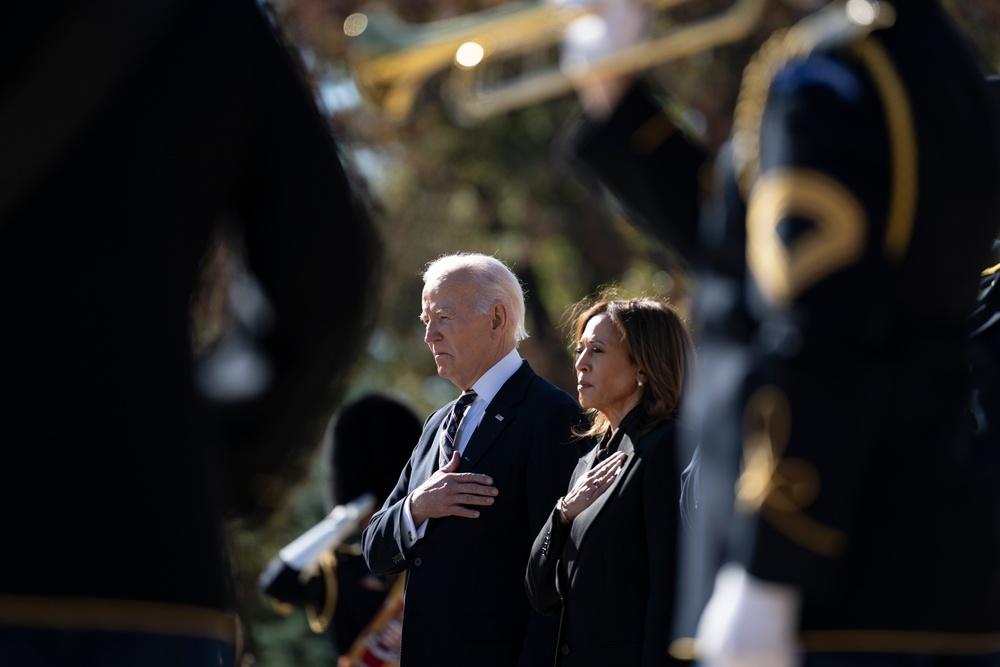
pixel 486 387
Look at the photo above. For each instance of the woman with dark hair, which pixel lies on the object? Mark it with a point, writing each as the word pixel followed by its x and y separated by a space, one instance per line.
pixel 606 559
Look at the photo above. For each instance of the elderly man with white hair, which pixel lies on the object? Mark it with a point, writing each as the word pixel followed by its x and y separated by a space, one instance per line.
pixel 481 481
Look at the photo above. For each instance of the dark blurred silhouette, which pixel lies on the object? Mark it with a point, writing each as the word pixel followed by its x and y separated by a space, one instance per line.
pixel 985 334
pixel 129 132
pixel 367 442
pixel 984 324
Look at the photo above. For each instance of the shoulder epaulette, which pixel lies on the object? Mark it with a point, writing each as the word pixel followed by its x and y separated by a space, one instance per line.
pixel 839 25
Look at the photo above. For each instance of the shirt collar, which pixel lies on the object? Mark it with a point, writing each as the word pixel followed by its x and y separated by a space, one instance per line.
pixel 487 386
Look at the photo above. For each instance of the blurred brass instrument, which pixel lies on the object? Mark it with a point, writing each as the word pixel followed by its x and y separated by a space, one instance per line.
pixel 392 60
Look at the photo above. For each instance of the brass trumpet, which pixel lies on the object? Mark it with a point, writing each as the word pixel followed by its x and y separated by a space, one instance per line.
pixel 392 60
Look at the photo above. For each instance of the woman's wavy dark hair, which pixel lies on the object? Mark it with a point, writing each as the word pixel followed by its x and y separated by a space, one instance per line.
pixel 656 339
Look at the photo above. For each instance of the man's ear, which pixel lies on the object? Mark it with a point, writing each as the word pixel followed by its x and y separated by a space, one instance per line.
pixel 499 321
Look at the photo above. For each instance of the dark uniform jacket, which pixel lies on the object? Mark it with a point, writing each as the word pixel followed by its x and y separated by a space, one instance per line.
pixel 984 324
pixel 837 261
pixel 465 601
pixel 119 468
pixel 610 573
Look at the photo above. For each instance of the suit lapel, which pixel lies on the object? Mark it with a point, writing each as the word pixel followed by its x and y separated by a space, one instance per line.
pixel 578 528
pixel 429 462
pixel 498 415
pixel 581 524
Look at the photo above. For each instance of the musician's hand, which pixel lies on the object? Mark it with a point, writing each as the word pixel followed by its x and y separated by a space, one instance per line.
pixel 592 486
pixel 614 25
pixel 447 493
pixel 748 623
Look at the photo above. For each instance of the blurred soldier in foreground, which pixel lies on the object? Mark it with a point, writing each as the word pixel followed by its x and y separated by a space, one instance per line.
pixel 129 130
pixel 985 334
pixel 323 570
pixel 846 514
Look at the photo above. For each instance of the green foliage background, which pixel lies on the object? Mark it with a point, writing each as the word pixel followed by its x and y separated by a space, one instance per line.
pixel 500 188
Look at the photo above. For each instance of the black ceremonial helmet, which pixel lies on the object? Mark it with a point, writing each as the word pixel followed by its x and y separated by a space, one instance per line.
pixel 365 446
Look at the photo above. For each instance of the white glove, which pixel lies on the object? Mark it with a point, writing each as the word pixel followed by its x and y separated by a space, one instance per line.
pixel 748 623
pixel 613 25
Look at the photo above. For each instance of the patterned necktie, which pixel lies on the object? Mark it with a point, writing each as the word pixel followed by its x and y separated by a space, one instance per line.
pixel 451 424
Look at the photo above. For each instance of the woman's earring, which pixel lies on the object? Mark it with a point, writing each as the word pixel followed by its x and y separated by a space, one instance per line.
pixel 640 383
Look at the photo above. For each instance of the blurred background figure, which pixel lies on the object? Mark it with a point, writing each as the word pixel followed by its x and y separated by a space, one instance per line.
pixel 323 571
pixel 130 133
pixel 985 335
pixel 984 326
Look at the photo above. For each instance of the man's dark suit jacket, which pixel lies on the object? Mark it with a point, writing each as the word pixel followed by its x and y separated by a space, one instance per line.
pixel 610 574
pixel 465 601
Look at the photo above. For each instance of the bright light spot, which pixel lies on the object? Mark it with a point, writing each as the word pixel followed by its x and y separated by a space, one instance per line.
pixel 586 32
pixel 583 39
pixel 469 55
pixel 862 12
pixel 355 24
